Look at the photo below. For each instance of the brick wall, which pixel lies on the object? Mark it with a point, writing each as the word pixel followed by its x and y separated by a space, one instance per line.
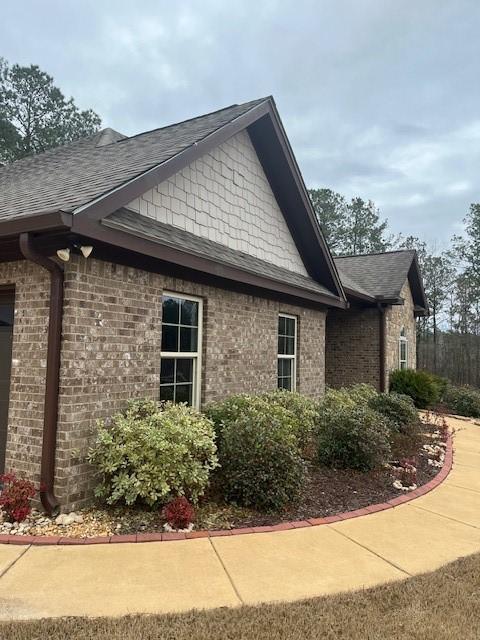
pixel 225 196
pixel 398 317
pixel 352 347
pixel 352 343
pixel 29 359
pixel 111 352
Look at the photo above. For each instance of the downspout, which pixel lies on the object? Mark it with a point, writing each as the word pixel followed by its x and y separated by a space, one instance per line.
pixel 382 333
pixel 50 412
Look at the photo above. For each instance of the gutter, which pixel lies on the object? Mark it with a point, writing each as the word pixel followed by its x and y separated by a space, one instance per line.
pixel 50 414
pixel 382 333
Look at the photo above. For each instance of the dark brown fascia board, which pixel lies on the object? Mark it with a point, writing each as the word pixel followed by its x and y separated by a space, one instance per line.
pixel 417 288
pixel 303 193
pixel 352 293
pixel 42 221
pixel 128 191
pixel 138 244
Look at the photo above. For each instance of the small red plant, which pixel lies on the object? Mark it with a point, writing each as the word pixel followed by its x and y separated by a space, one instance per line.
pixel 16 496
pixel 179 513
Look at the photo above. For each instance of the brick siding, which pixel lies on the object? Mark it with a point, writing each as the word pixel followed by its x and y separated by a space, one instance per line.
pixel 29 360
pixel 352 343
pixel 111 352
pixel 352 347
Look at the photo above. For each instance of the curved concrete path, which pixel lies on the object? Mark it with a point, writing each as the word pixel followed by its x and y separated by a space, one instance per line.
pixel 159 577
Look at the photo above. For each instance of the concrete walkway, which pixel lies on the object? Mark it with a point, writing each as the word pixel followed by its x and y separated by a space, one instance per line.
pixel 159 577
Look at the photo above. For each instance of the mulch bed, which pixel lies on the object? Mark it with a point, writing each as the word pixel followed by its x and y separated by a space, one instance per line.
pixel 327 492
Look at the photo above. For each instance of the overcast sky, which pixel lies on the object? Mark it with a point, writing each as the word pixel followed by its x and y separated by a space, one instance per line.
pixel 379 98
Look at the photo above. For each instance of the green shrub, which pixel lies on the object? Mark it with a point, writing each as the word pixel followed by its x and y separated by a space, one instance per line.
pixel 442 385
pixel 419 385
pixel 258 449
pixel 358 394
pixel 362 393
pixel 353 437
pixel 398 409
pixel 464 401
pixel 293 409
pixel 152 453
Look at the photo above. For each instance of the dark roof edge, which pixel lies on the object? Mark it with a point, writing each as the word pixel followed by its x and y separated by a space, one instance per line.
pixel 41 221
pixel 118 197
pixel 109 233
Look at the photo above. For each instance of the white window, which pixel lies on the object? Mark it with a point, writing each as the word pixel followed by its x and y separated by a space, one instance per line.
pixel 403 350
pixel 181 349
pixel 287 352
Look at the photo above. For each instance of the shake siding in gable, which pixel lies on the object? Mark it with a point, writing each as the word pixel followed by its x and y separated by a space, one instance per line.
pixel 225 196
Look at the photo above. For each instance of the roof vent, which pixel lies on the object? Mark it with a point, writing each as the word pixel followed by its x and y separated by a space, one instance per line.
pixel 108 136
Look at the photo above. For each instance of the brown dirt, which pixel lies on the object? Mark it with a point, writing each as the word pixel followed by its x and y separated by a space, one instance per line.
pixel 443 605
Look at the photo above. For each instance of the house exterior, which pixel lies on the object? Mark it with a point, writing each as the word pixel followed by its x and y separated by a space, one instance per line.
pixel 191 267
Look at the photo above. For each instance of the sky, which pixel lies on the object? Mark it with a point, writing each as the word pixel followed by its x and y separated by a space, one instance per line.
pixel 380 98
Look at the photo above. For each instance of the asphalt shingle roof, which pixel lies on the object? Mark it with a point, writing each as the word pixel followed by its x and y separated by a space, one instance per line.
pixel 171 236
pixel 376 274
pixel 70 176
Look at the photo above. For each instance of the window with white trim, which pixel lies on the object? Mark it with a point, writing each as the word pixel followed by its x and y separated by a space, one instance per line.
pixel 181 349
pixel 403 350
pixel 287 352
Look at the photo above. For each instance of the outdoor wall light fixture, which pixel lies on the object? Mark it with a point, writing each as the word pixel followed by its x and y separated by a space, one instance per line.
pixel 64 254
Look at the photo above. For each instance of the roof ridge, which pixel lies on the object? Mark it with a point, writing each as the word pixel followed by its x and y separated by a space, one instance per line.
pixel 375 253
pixel 203 115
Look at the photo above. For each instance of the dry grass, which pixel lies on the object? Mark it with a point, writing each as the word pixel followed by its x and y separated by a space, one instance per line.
pixel 444 605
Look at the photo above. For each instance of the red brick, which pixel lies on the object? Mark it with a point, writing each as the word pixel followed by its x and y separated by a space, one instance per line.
pixel 300 524
pixel 98 540
pixel 46 540
pixel 173 535
pixel 149 537
pixel 124 538
pixel 219 533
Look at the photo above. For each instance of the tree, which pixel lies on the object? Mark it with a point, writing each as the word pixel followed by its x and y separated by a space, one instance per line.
pixel 35 115
pixel 365 232
pixel 438 276
pixel 331 211
pixel 349 227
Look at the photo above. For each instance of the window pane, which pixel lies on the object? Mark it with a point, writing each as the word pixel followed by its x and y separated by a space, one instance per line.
pixel 167 367
pixel 184 370
pixel 189 313
pixel 287 368
pixel 183 393
pixel 188 339
pixel 290 346
pixel 6 315
pixel 169 338
pixel 171 310
pixel 290 327
pixel 282 345
pixel 166 393
pixel 285 383
pixel 281 325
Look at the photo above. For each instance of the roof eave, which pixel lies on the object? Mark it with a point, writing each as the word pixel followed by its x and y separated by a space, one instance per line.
pixel 41 221
pixel 137 244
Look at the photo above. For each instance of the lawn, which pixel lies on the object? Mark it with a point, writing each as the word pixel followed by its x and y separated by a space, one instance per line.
pixel 444 605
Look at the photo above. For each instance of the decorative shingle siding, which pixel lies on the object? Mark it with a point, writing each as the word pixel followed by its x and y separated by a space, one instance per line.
pixel 29 359
pixel 111 352
pixel 226 197
pixel 352 347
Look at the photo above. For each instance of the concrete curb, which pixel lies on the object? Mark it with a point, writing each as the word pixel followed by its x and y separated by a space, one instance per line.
pixel 283 526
